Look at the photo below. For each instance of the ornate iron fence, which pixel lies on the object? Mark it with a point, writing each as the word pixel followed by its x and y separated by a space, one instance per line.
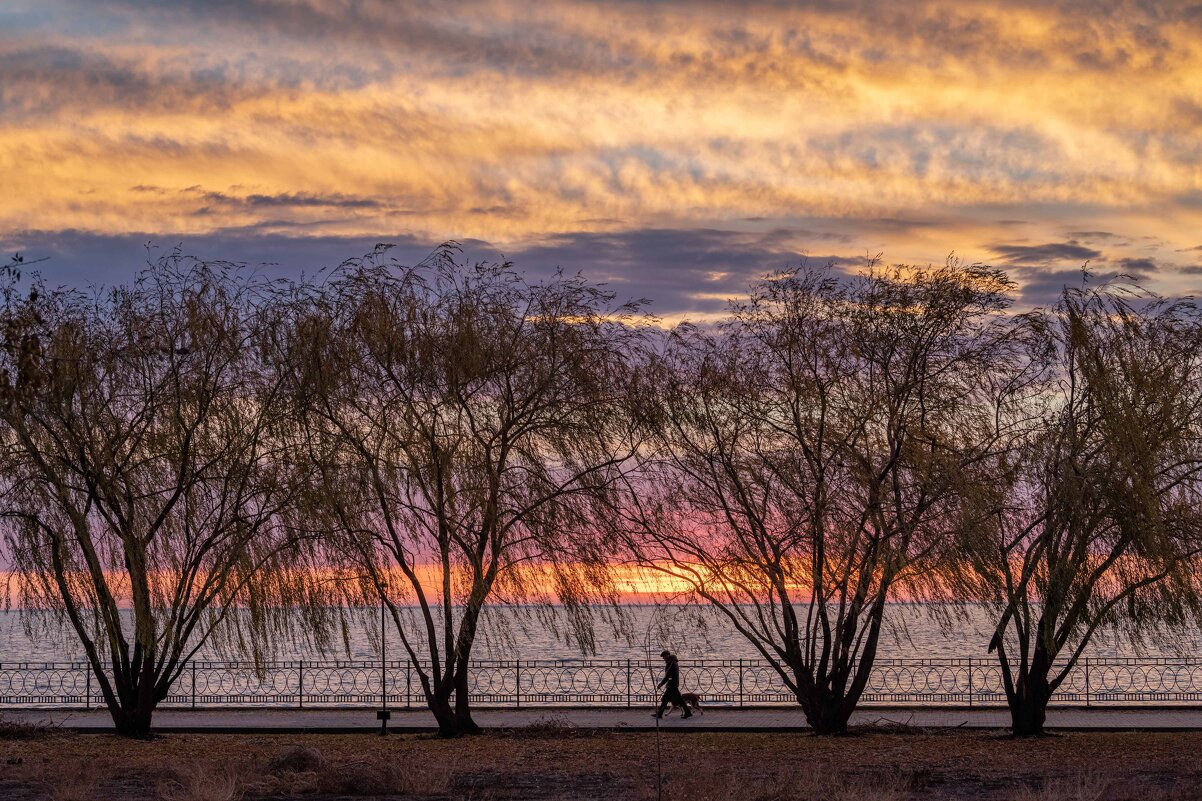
pixel 543 683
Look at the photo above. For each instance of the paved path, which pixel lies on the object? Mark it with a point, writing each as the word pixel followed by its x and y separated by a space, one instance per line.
pixel 355 720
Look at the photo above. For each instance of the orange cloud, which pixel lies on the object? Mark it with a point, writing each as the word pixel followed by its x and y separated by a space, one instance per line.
pixel 510 123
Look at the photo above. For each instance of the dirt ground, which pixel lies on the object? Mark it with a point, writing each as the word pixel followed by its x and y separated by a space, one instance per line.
pixel 557 762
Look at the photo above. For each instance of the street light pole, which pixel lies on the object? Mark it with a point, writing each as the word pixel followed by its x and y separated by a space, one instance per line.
pixel 383 715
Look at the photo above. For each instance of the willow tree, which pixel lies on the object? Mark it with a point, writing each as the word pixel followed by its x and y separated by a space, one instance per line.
pixel 143 497
pixel 469 427
pixel 806 457
pixel 1094 519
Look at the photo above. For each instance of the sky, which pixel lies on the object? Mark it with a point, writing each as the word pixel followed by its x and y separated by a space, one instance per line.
pixel 673 150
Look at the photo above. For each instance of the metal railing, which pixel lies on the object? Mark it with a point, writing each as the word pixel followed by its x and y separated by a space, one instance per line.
pixel 610 683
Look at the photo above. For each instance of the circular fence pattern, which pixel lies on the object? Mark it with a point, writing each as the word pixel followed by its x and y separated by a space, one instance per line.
pixel 918 682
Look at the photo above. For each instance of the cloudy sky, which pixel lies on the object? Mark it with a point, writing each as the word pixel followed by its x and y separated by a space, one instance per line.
pixel 673 149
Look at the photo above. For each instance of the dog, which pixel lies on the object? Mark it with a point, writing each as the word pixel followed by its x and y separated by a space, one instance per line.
pixel 691 700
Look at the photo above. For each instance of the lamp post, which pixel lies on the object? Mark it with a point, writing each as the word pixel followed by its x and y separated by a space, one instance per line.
pixel 383 715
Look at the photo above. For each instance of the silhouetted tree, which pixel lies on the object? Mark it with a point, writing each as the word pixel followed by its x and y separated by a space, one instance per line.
pixel 142 489
pixel 466 423
pixel 807 456
pixel 1091 517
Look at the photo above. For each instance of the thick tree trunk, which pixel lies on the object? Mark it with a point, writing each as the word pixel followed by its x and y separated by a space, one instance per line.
pixel 826 712
pixel 830 691
pixel 463 711
pixel 1027 716
pixel 1028 701
pixel 1029 704
pixel 445 717
pixel 454 720
pixel 133 720
pixel 132 705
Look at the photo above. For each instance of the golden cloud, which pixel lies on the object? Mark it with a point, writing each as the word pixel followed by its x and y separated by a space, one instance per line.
pixel 509 122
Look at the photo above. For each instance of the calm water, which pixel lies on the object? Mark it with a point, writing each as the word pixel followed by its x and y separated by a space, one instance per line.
pixel 692 632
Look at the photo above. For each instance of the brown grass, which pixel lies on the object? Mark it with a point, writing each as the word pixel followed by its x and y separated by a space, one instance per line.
pixel 205 781
pixel 68 782
pixel 789 783
pixel 550 761
pixel 20 730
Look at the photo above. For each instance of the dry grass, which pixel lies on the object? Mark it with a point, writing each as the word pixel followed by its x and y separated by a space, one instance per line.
pixel 205 781
pixel 550 761
pixel 791 783
pixel 69 782
pixel 1092 787
pixel 20 730
pixel 296 759
pixel 1077 788
pixel 549 726
pixel 300 770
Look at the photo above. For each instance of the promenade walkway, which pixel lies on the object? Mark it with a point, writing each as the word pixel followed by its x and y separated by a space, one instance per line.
pixel 717 719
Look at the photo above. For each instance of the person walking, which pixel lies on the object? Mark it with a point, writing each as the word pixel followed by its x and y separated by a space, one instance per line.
pixel 671 684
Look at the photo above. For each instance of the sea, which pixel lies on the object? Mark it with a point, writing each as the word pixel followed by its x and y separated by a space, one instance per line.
pixel 912 631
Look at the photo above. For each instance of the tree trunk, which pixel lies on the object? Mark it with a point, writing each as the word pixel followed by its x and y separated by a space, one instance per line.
pixel 132 707
pixel 826 712
pixel 1028 701
pixel 445 717
pixel 133 721
pixel 453 720
pixel 463 711
pixel 1027 716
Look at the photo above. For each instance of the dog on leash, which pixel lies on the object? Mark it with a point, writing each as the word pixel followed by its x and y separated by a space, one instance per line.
pixel 691 700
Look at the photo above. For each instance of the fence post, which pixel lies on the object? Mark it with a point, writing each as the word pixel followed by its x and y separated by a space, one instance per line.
pixel 1087 682
pixel 300 685
pixel 408 685
pixel 740 682
pixel 970 681
pixel 518 683
pixel 193 685
pixel 629 691
pixel 87 698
